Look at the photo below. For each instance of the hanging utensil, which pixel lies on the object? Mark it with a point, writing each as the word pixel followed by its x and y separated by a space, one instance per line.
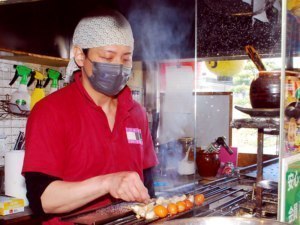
pixel 19 141
pixel 254 56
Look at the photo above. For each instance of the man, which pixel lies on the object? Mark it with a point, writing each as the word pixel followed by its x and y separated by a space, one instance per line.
pixel 89 144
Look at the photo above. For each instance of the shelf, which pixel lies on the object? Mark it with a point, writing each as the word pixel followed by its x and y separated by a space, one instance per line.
pixel 256 122
pixel 32 58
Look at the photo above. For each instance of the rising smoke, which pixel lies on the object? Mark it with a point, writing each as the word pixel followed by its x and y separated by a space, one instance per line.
pixel 164 30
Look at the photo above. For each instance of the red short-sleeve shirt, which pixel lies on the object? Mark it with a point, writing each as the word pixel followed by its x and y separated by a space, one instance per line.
pixel 68 136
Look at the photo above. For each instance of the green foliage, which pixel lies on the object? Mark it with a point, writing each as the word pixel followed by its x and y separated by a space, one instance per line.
pixel 241 101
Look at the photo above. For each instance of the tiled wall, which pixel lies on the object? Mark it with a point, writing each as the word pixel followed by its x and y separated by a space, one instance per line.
pixel 11 125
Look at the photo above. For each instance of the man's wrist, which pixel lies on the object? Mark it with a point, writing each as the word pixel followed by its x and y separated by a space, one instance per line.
pixel 104 181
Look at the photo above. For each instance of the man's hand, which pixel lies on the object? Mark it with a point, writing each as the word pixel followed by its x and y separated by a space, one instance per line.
pixel 127 186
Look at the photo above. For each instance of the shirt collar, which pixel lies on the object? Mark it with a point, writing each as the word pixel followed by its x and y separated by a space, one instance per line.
pixel 125 100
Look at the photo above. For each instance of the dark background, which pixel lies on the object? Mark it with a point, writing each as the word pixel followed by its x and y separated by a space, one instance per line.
pixel 163 29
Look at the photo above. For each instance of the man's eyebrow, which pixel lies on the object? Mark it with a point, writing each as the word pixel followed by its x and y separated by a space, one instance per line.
pixel 114 52
pixel 107 51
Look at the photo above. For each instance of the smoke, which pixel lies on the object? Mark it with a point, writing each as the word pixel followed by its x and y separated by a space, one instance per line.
pixel 164 29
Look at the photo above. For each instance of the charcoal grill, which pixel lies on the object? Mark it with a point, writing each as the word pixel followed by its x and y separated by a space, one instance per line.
pixel 227 196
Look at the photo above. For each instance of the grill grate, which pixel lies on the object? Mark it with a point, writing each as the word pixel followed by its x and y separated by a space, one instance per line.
pixel 228 196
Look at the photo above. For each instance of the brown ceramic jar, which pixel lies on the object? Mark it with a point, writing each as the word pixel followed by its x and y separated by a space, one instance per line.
pixel 265 90
pixel 208 164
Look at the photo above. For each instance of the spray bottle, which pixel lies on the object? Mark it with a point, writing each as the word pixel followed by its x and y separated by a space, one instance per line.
pixel 38 93
pixel 20 99
pixel 55 76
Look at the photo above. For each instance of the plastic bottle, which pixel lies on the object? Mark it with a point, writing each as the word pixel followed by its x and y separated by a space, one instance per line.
pixel 55 76
pixel 20 99
pixel 38 92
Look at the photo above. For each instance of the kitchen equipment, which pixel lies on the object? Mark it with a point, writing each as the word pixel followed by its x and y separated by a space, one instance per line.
pixel 54 76
pixel 20 99
pixel 20 140
pixel 228 169
pixel 208 163
pixel 265 90
pixel 105 214
pixel 38 93
pixel 216 145
pixel 259 112
pixel 226 196
pixel 222 220
pixel 186 142
pixel 208 160
pixel 254 56
pixel 268 184
pixel 186 166
pixel 220 141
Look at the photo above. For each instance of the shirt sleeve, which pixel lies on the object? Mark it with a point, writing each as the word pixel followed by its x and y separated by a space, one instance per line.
pixel 36 183
pixel 44 141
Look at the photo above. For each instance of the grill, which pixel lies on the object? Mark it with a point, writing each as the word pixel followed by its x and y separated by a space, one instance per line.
pixel 227 196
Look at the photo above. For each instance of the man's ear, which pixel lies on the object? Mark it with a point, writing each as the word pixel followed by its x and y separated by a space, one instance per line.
pixel 78 56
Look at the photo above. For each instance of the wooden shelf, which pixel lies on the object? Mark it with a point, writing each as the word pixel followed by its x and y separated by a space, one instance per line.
pixel 32 58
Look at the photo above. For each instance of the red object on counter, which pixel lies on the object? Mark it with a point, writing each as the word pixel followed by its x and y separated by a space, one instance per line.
pixel 228 169
pixel 208 163
pixel 225 157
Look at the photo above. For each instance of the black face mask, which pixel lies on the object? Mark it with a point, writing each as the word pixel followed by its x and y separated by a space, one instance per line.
pixel 108 78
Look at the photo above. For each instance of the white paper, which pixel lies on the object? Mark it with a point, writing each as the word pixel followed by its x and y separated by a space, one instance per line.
pixel 14 182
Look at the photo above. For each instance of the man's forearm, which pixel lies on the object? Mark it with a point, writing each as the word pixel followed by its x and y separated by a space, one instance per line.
pixel 61 196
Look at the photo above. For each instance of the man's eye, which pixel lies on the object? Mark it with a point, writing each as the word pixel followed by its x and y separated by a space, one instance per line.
pixel 127 60
pixel 106 58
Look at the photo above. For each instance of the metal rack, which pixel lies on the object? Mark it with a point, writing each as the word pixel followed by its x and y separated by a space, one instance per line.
pixel 5 108
pixel 264 125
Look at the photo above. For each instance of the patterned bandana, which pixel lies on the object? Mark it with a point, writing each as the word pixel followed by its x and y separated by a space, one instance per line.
pixel 109 28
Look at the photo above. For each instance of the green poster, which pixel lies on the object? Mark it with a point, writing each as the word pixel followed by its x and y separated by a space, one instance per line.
pixel 292 201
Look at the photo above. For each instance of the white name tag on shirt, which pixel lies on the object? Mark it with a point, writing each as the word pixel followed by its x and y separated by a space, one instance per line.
pixel 134 135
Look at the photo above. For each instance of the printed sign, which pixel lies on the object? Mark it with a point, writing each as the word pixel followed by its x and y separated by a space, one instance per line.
pixel 292 195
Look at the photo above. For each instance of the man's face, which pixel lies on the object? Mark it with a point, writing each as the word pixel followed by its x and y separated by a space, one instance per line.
pixel 115 54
